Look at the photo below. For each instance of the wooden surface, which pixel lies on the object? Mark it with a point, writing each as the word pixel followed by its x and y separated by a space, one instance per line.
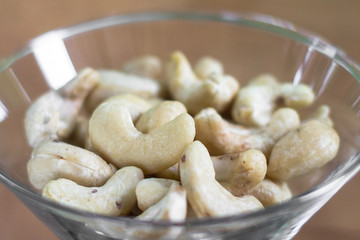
pixel 338 21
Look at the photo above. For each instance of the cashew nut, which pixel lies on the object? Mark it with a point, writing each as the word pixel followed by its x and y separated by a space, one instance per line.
pixel 255 102
pixel 52 160
pixel 113 135
pixel 159 115
pixel 270 193
pixel 240 172
pixel 151 190
pixel 303 150
pixel 206 196
pixel 172 207
pixel 222 137
pixel 215 90
pixel 237 172
pixel 322 114
pixel 112 82
pixel 116 197
pixel 52 115
pixel 148 66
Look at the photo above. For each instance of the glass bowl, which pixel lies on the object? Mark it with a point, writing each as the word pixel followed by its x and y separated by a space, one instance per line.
pixel 247 45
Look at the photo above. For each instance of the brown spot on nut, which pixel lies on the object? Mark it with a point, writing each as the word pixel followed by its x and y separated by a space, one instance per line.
pixel 183 158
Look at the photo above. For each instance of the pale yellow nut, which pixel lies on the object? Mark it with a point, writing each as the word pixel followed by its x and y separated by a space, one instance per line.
pixel 148 66
pixel 151 190
pixel 159 115
pixel 116 197
pixel 52 115
pixel 206 66
pixel 171 207
pixel 134 104
pixel 322 113
pixel 216 90
pixel 241 171
pixel 52 160
pixel 303 150
pixel 112 82
pixel 255 103
pixel 222 137
pixel 113 135
pixel 269 192
pixel 170 173
pixel 206 196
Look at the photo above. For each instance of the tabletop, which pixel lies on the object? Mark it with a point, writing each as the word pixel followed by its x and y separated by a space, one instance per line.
pixel 336 20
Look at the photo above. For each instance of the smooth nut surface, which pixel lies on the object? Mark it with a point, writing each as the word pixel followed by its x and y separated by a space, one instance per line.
pixel 303 150
pixel 159 115
pixel 216 90
pixel 241 171
pixel 206 196
pixel 112 82
pixel 255 103
pixel 52 115
pixel 114 136
pixel 222 137
pixel 52 160
pixel 269 192
pixel 116 197
pixel 151 190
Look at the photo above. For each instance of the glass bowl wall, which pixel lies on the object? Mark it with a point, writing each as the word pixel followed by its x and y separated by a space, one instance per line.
pixel 247 45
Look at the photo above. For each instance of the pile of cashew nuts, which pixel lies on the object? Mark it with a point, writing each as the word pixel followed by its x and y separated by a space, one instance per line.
pixel 172 142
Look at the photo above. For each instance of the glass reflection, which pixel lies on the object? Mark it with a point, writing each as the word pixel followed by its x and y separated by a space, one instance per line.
pixel 54 61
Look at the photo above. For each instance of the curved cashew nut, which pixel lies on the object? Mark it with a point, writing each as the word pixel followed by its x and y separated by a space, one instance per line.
pixel 255 102
pixel 303 150
pixel 222 137
pixel 112 82
pixel 113 135
pixel 172 207
pixel 116 197
pixel 208 66
pixel 237 172
pixel 52 160
pixel 151 190
pixel 240 172
pixel 270 193
pixel 148 66
pixel 159 115
pixel 216 90
pixel 52 115
pixel 206 196
pixel 322 114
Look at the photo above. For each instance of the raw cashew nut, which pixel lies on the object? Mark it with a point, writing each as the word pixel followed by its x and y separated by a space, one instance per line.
pixel 52 115
pixel 270 193
pixel 206 196
pixel 159 115
pixel 303 150
pixel 148 66
pixel 112 82
pixel 113 135
pixel 322 114
pixel 222 137
pixel 116 197
pixel 151 190
pixel 240 172
pixel 52 160
pixel 255 102
pixel 215 90
pixel 172 207
pixel 237 172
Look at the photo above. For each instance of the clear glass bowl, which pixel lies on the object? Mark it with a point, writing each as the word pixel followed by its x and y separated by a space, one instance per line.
pixel 247 44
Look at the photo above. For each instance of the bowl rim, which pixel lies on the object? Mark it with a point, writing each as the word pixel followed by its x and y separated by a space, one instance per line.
pixel 267 23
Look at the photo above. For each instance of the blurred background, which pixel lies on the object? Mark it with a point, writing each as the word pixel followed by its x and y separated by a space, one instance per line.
pixel 335 20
